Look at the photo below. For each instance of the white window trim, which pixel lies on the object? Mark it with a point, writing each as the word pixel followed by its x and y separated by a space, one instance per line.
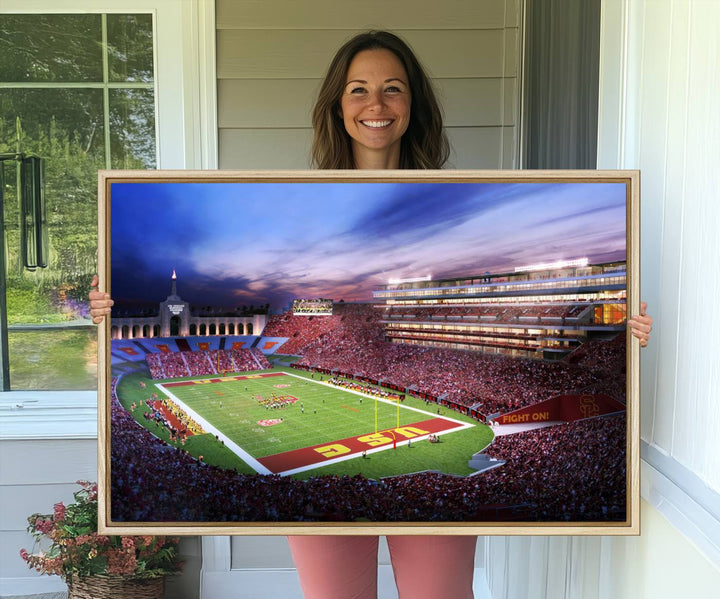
pixel 36 415
pixel 186 125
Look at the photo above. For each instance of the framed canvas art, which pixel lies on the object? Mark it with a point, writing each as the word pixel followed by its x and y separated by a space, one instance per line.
pixel 369 352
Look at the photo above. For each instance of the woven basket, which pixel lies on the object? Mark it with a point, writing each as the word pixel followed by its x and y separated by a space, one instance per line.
pixel 116 587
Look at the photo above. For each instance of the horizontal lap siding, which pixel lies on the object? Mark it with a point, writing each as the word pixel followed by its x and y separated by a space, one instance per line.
pixel 306 54
pixel 271 58
pixel 35 475
pixel 348 14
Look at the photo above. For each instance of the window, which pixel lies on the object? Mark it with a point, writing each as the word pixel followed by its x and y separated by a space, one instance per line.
pixel 77 90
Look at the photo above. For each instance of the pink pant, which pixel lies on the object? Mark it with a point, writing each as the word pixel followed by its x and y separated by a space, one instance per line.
pixel 345 567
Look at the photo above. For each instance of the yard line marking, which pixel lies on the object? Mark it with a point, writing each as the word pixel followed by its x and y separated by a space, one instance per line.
pixel 259 465
pixel 231 445
pixel 366 395
pixel 240 377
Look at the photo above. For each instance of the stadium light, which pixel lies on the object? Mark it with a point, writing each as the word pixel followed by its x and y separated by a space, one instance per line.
pixel 579 262
pixel 415 280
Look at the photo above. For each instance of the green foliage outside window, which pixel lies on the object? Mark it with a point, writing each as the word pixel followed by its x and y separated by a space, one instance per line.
pixel 76 90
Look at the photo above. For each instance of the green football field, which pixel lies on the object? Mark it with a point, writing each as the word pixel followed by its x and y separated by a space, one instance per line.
pixel 320 429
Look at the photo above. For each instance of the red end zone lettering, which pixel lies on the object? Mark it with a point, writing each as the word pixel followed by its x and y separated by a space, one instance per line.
pixel 317 454
pixel 232 378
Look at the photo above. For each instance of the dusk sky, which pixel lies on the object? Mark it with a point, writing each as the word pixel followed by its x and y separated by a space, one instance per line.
pixel 235 244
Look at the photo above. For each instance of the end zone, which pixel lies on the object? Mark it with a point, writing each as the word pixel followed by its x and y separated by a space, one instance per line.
pixel 307 458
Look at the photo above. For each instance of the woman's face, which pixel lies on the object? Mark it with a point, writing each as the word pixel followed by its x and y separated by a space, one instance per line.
pixel 375 104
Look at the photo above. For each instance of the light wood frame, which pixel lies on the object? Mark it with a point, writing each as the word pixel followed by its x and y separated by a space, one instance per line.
pixel 630 526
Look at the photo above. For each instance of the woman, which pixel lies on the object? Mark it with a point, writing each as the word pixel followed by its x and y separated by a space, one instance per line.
pixel 363 117
pixel 377 110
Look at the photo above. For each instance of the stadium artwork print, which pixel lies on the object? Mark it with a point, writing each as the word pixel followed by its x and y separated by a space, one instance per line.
pixel 369 352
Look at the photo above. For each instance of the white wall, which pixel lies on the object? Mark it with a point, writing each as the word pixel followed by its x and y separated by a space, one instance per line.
pixel 672 133
pixel 660 84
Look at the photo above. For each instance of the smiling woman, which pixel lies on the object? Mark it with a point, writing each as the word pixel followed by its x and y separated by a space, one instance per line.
pixel 375 108
pixel 365 104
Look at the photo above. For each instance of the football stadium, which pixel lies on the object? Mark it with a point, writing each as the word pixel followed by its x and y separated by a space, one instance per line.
pixel 368 352
pixel 476 399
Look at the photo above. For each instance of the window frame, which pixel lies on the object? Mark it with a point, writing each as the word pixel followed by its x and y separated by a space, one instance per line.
pixel 186 138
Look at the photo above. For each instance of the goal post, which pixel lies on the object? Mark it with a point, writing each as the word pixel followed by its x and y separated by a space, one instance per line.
pixel 397 412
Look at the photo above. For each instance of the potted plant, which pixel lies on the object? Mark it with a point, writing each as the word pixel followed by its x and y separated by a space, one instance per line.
pixel 95 566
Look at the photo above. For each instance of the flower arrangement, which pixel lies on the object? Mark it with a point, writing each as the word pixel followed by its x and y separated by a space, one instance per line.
pixel 77 551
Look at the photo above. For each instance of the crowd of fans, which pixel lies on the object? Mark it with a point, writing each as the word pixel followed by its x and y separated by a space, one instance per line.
pixel 364 388
pixel 494 382
pixel 358 320
pixel 608 360
pixel 167 365
pixel 569 472
pixel 573 472
pixel 576 469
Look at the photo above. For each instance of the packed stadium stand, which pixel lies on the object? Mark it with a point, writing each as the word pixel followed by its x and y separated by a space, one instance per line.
pixel 352 342
pixel 135 350
pixel 544 472
pixel 358 324
pixel 165 365
pixel 537 312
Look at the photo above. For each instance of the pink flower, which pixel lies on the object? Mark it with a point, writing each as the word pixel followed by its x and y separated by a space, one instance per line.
pixel 90 488
pixel 53 566
pixel 128 543
pixel 71 555
pixel 43 526
pixel 121 562
pixel 59 512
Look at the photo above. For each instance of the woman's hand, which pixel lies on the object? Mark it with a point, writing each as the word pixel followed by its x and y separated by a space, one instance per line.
pixel 641 325
pixel 100 303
